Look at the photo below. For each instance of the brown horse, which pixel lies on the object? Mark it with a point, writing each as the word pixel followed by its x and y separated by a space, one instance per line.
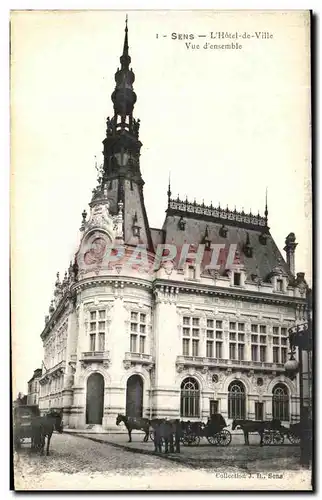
pixel 43 427
pixel 134 423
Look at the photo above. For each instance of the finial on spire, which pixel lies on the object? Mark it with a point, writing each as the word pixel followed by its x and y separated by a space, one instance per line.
pixel 84 215
pixel 266 209
pixel 125 59
pixel 169 188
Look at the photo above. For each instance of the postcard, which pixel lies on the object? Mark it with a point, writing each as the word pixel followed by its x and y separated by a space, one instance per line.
pixel 161 255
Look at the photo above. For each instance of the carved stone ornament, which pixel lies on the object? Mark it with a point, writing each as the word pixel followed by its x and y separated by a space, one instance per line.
pixel 72 367
pixel 127 364
pixel 215 378
pixel 214 273
pixel 180 368
pixel 93 251
pixel 69 381
pixel 260 390
pixel 168 267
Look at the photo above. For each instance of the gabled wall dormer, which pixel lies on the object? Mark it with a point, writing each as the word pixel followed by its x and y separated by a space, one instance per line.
pixel 279 279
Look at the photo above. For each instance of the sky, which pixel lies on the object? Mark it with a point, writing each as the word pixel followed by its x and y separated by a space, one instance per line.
pixel 227 124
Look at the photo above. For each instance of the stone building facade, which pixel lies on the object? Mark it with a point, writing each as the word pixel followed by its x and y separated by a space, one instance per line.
pixel 33 388
pixel 176 340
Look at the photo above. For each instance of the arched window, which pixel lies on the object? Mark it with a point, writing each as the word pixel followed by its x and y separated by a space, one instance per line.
pixel 280 402
pixel 236 400
pixel 190 398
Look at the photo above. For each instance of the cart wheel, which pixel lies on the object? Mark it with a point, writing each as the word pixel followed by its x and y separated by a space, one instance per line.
pixel 293 438
pixel 278 438
pixel 267 438
pixel 187 439
pixel 224 438
pixel 191 439
pixel 213 439
pixel 196 440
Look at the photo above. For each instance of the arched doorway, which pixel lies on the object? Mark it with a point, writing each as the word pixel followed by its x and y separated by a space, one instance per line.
pixel 236 400
pixel 280 402
pixel 95 399
pixel 134 396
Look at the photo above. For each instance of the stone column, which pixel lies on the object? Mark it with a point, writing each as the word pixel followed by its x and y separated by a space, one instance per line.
pixel 250 408
pixel 166 393
pixel 289 248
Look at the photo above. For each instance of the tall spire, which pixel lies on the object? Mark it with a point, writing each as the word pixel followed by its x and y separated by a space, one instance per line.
pixel 121 174
pixel 125 58
pixel 169 189
pixel 124 96
pixel 266 209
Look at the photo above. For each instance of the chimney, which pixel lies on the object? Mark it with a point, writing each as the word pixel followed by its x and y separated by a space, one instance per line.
pixel 289 248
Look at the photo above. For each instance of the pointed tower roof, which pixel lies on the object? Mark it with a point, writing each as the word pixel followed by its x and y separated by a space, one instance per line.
pixel 125 59
pixel 121 176
pixel 124 96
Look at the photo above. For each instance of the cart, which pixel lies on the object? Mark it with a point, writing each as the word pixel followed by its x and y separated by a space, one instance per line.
pixel 214 431
pixel 22 423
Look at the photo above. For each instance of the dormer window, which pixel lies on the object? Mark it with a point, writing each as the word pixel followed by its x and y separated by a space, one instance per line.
pixel 279 285
pixel 223 232
pixel 182 224
pixel 206 240
pixel 236 279
pixel 192 272
pixel 248 249
pixel 135 227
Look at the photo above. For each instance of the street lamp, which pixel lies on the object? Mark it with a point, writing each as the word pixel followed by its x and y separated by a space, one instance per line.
pixel 292 365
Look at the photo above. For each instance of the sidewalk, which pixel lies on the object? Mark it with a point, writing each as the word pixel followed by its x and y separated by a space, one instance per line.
pixel 251 458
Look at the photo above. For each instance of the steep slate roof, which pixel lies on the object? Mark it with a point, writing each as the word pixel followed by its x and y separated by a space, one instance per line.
pixel 201 222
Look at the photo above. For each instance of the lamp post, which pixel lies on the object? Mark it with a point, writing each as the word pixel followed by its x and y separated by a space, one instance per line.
pixel 300 336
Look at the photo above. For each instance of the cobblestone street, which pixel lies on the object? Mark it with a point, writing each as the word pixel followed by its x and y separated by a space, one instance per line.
pixel 79 462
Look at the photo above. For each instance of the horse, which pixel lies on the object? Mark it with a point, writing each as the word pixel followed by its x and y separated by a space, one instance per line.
pixel 137 423
pixel 248 426
pixel 164 430
pixel 43 427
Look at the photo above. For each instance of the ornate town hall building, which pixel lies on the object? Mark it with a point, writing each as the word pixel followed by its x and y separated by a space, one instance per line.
pixel 183 340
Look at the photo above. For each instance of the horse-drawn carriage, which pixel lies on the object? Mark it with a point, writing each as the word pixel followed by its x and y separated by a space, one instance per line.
pixel 277 437
pixel 271 432
pixel 292 433
pixel 214 431
pixel 28 424
pixel 23 417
